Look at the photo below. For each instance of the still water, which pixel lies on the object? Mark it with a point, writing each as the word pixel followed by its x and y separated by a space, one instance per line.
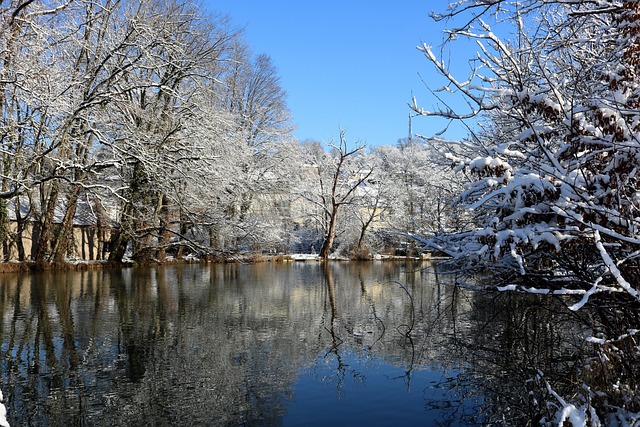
pixel 258 345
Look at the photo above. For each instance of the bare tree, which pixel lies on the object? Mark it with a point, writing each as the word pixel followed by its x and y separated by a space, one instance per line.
pixel 333 179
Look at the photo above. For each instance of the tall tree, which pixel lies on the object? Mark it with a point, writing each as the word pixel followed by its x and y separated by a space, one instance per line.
pixel 157 111
pixel 32 105
pixel 148 109
pixel 252 94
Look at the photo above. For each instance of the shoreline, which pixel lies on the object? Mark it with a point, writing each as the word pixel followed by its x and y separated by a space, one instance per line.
pixel 81 265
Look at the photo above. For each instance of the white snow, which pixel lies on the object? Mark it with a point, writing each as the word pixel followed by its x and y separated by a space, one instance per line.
pixel 595 340
pixel 613 268
pixel 304 257
pixel 569 412
pixel 3 412
pixel 585 298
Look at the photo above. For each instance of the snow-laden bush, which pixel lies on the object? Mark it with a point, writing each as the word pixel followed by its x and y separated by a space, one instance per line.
pixel 555 164
pixel 553 167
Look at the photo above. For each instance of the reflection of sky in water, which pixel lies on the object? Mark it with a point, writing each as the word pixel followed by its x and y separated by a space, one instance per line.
pixel 353 390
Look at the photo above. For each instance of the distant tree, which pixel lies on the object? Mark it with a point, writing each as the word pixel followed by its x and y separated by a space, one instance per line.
pixel 252 92
pixel 422 189
pixel 332 179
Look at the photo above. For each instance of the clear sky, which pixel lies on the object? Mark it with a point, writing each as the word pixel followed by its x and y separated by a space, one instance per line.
pixel 350 64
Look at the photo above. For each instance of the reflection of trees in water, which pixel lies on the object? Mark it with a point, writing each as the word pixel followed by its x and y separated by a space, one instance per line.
pixel 397 315
pixel 494 347
pixel 509 339
pixel 219 345
pixel 523 344
pixel 225 344
pixel 39 346
pixel 145 348
pixel 221 359
pixel 336 341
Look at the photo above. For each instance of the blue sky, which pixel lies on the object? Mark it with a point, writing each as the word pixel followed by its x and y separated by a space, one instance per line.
pixel 348 64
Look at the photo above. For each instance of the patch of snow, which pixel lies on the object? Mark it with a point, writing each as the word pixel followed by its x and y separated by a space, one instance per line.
pixel 595 340
pixel 538 291
pixel 613 268
pixel 569 412
pixel 3 412
pixel 304 257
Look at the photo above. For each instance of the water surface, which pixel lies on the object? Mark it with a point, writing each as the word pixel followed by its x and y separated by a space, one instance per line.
pixel 265 344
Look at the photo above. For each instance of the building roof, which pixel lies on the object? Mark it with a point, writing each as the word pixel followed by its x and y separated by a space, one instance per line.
pixel 88 212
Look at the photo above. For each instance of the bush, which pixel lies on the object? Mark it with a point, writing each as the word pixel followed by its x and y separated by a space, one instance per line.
pixel 360 254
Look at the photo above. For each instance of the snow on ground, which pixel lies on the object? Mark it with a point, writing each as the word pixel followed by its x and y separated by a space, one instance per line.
pixel 304 257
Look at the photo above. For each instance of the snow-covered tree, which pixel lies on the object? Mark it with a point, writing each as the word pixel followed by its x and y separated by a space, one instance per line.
pixel 556 157
pixel 170 59
pixel 329 181
pixel 372 204
pixel 251 93
pixel 419 190
pixel 553 160
pixel 127 104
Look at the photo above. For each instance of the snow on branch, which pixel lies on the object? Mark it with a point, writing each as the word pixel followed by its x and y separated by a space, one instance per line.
pixel 613 268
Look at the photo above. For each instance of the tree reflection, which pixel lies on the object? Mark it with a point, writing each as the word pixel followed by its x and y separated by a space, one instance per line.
pixel 333 318
pixel 522 347
pixel 222 345
pixel 372 307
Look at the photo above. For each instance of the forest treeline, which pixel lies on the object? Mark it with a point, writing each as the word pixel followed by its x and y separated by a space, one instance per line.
pixel 155 125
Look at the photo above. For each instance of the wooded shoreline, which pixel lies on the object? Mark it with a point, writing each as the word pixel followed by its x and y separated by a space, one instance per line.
pixel 34 266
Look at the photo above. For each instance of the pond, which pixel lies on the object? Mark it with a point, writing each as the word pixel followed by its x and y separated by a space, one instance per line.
pixel 268 344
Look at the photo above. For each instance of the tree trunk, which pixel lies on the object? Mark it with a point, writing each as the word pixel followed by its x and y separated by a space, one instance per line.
pixel 61 241
pixel 4 229
pixel 119 242
pixel 46 224
pixel 144 215
pixel 20 246
pixel 183 232
pixel 21 224
pixel 120 238
pixel 327 245
pixel 165 221
pixel 364 228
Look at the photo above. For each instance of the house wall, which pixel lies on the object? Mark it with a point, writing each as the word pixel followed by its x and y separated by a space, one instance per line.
pixel 88 242
pixel 11 247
